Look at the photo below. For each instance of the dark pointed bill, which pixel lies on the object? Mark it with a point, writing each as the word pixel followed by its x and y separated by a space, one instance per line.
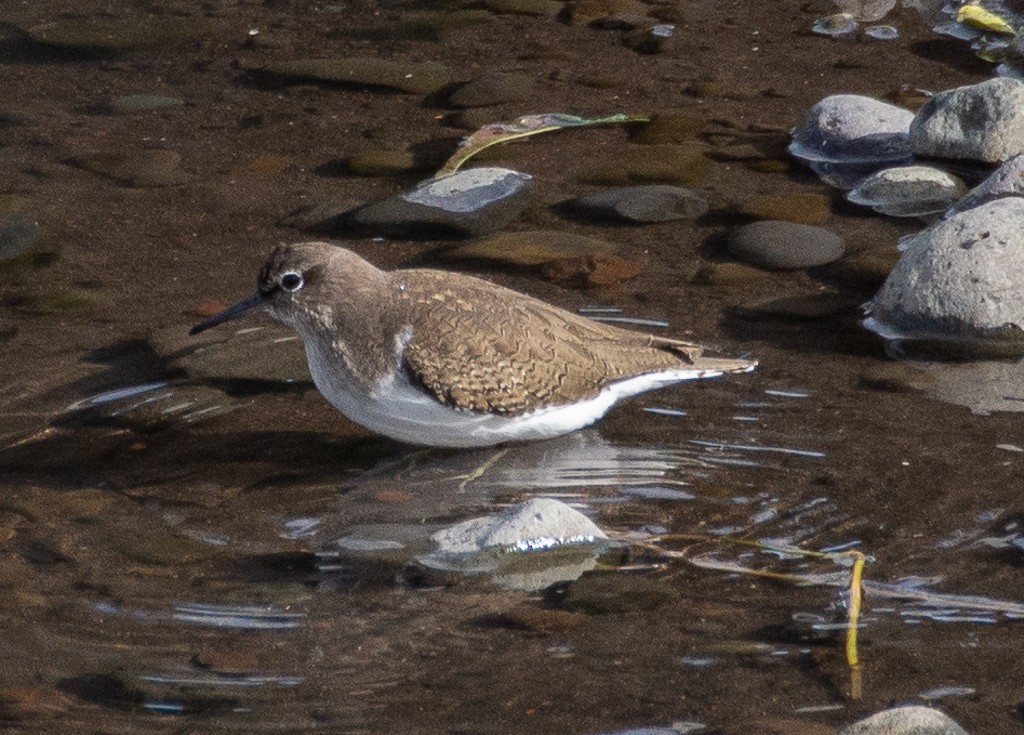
pixel 232 312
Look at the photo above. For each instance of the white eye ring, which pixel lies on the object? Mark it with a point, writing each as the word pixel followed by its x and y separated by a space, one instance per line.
pixel 291 281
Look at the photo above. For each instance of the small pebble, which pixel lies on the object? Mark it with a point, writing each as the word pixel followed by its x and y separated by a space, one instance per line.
pixel 641 204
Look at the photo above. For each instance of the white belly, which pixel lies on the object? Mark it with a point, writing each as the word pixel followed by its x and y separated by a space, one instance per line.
pixel 405 413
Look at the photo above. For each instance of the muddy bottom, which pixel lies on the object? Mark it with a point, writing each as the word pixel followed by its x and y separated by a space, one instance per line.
pixel 170 536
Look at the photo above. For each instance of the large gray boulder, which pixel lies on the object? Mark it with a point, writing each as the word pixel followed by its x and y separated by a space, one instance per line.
pixel 980 122
pixel 962 278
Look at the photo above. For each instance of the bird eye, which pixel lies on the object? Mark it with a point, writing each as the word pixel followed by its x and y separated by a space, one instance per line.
pixel 291 281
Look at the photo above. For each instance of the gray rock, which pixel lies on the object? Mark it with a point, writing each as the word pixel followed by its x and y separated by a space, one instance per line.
pixel 654 203
pixel 1006 181
pixel 540 523
pixel 472 201
pixel 493 88
pixel 785 245
pixel 980 122
pixel 959 279
pixel 141 102
pixel 422 78
pixel 908 191
pixel 852 128
pixel 905 721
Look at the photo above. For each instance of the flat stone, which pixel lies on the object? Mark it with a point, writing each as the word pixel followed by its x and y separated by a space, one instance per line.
pixel 590 271
pixel 143 168
pixel 529 248
pixel 641 204
pixel 1005 181
pixel 105 36
pixel 493 88
pixel 539 523
pixel 913 720
pixel 851 128
pixel 416 78
pixel 805 307
pixel 959 278
pixel 809 208
pixel 908 191
pixel 469 202
pixel 980 122
pixel 684 165
pixel 785 245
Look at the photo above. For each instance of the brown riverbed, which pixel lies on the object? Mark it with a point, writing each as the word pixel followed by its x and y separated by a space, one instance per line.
pixel 169 574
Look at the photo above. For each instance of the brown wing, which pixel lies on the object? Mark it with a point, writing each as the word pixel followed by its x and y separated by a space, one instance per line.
pixel 481 347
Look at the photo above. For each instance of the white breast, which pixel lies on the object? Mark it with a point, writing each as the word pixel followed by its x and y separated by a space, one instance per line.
pixel 400 410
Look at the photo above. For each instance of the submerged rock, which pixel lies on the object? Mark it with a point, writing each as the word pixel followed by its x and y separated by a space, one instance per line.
pixel 105 36
pixel 417 78
pixel 980 122
pixel 493 88
pixel 472 201
pixel 911 720
pixel 139 168
pixel 142 102
pixel 959 279
pixel 785 245
pixel 908 191
pixel 640 204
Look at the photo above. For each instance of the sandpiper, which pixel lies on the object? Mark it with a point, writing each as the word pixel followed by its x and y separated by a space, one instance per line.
pixel 443 359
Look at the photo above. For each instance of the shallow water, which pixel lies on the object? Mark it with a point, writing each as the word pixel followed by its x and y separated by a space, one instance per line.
pixel 171 514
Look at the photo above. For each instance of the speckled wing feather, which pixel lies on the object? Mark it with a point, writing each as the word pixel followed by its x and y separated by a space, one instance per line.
pixel 480 347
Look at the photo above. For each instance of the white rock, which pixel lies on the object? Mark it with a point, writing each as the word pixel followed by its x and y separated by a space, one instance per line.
pixel 905 721
pixel 539 523
pixel 980 122
pixel 1006 181
pixel 908 191
pixel 960 278
pixel 852 128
